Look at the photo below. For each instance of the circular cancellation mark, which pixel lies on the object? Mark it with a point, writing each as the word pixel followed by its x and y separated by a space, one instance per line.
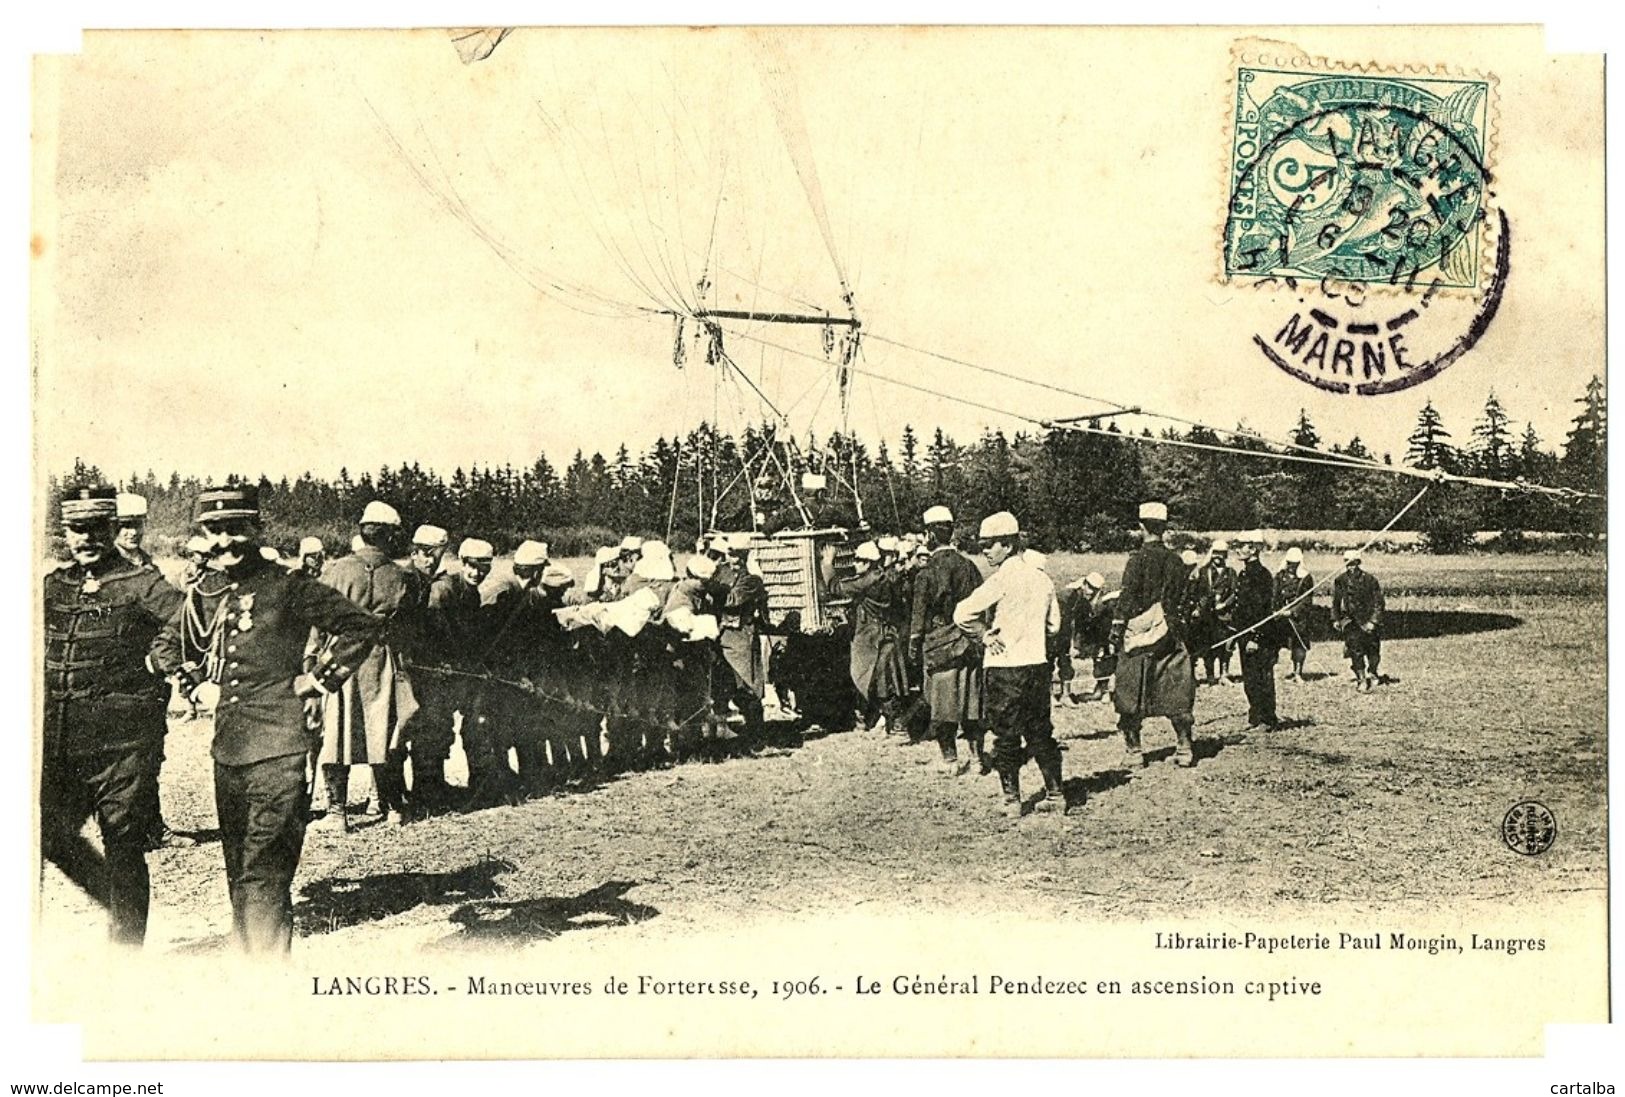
pixel 1529 828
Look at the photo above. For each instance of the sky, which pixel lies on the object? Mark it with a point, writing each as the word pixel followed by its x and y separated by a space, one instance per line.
pixel 279 251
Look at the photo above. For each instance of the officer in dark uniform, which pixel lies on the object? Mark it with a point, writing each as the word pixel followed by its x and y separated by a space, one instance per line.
pixel 448 636
pixel 1260 648
pixel 254 621
pixel 1357 609
pixel 104 711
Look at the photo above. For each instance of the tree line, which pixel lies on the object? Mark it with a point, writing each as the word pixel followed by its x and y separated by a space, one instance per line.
pixel 1072 490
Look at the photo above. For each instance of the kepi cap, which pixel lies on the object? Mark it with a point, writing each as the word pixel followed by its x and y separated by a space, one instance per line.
pixel 473 548
pixel 868 551
pixel 1002 524
pixel 86 503
pixel 938 516
pixel 1154 512
pixel 430 537
pixel 1294 555
pixel 1219 546
pixel 1351 555
pixel 310 545
pixel 701 566
pixel 238 502
pixel 379 513
pixel 1097 580
pixel 131 505
pixel 631 543
pixel 530 554
pixel 557 576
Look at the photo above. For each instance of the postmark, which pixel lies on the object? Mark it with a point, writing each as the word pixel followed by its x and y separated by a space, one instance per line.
pixel 1364 178
pixel 1529 828
pixel 1362 212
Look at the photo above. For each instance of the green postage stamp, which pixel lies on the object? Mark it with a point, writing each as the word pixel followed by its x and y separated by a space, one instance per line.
pixel 1359 176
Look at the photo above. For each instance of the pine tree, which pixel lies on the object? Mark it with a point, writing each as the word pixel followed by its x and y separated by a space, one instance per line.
pixel 1429 444
pixel 1492 439
pixel 1585 452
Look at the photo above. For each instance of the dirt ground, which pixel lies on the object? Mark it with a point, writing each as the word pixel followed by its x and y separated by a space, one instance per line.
pixel 1496 693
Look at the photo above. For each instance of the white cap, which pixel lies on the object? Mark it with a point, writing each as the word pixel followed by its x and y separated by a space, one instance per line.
pixel 530 554
pixel 1294 555
pixel 1189 557
pixel 1219 546
pixel 1002 524
pixel 1250 537
pixel 654 550
pixel 701 567
pixel 718 542
pixel 197 544
pixel 309 545
pixel 740 542
pixel 430 537
pixel 631 543
pixel 1156 512
pixel 868 551
pixel 937 516
pixel 1352 554
pixel 380 513
pixel 556 575
pixel 606 555
pixel 270 554
pixel 1036 559
pixel 1098 581
pixel 890 544
pixel 473 548
pixel 131 506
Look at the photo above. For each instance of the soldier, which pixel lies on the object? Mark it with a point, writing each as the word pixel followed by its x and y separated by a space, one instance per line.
pixel 1212 614
pixel 132 529
pixel 1154 671
pixel 1357 609
pixel 877 667
pixel 1014 614
pixel 1294 595
pixel 1092 631
pixel 509 717
pixel 361 723
pixel 450 638
pixel 104 712
pixel 740 675
pixel 427 736
pixel 254 624
pixel 1255 606
pixel 950 660
pixel 311 557
pixel 602 583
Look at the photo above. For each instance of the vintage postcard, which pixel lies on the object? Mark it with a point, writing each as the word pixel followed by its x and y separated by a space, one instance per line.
pixel 860 542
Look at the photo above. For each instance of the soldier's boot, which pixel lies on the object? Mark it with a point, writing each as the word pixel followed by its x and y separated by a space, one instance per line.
pixel 1010 790
pixel 950 765
pixel 337 819
pixel 1185 748
pixel 1133 752
pixel 1054 787
pixel 389 786
pixel 978 759
pixel 430 792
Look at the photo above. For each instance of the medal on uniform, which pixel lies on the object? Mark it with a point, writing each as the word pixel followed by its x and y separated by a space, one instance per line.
pixel 91 585
pixel 245 620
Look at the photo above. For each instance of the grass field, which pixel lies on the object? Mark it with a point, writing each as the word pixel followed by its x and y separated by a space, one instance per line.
pixel 1497 694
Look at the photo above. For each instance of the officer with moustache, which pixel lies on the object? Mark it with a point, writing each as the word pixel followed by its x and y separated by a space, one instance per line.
pixel 243 637
pixel 104 711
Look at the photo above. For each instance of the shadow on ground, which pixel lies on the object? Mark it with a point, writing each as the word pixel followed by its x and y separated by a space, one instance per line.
pixel 490 922
pixel 1421 624
pixel 339 901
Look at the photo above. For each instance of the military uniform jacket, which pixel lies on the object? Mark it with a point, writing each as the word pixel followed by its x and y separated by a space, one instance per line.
pixel 877 661
pixel 1357 600
pixel 1154 573
pixel 1290 588
pixel 100 689
pixel 946 580
pixel 450 634
pixel 1255 601
pixel 262 616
